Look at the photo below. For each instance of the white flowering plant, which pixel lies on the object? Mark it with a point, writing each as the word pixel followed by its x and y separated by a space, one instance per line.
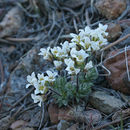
pixel 75 59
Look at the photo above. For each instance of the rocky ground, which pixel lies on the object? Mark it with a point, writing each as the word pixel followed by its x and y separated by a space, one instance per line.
pixel 28 25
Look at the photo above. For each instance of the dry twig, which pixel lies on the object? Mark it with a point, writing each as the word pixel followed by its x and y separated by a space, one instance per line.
pixel 1 72
pixel 75 25
pixel 116 42
pixel 20 39
pixel 111 123
pixel 21 99
pixel 127 67
pixel 42 117
pixel 87 18
pixel 6 42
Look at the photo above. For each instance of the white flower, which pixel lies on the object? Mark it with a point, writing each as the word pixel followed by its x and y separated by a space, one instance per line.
pixel 85 32
pixel 41 88
pixel 86 44
pixel 32 80
pixel 95 34
pixel 45 53
pixel 72 45
pixel 102 41
pixel 59 52
pixel 37 91
pixel 55 51
pixel 37 99
pixel 79 55
pixel 65 46
pixel 103 29
pixel 89 65
pixel 68 61
pixel 95 45
pixel 75 38
pixel 70 67
pixel 51 75
pixel 63 53
pixel 41 77
pixel 57 64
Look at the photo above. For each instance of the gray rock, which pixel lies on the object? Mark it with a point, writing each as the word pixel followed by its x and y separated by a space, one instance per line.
pixel 93 116
pixel 78 114
pixel 114 31
pixel 31 62
pixel 125 42
pixel 11 22
pixel 73 127
pixel 105 102
pixel 126 98
pixel 109 8
pixel 54 127
pixel 63 125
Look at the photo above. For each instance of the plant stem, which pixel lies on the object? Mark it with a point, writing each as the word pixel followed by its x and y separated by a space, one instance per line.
pixel 54 91
pixel 77 82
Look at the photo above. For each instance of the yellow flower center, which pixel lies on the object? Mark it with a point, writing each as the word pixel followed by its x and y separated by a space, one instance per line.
pixel 51 77
pixel 72 68
pixel 45 54
pixel 78 37
pixel 87 45
pixel 80 57
pixel 55 51
pixel 41 87
pixel 41 79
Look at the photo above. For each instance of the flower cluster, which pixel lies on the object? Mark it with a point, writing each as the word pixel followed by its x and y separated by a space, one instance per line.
pixel 41 84
pixel 73 57
pixel 75 53
pixel 91 39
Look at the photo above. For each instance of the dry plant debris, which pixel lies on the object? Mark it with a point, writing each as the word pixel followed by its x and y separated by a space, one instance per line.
pixel 11 22
pixel 28 25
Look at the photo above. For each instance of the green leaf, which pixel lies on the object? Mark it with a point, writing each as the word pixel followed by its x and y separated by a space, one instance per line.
pixel 68 90
pixel 91 75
